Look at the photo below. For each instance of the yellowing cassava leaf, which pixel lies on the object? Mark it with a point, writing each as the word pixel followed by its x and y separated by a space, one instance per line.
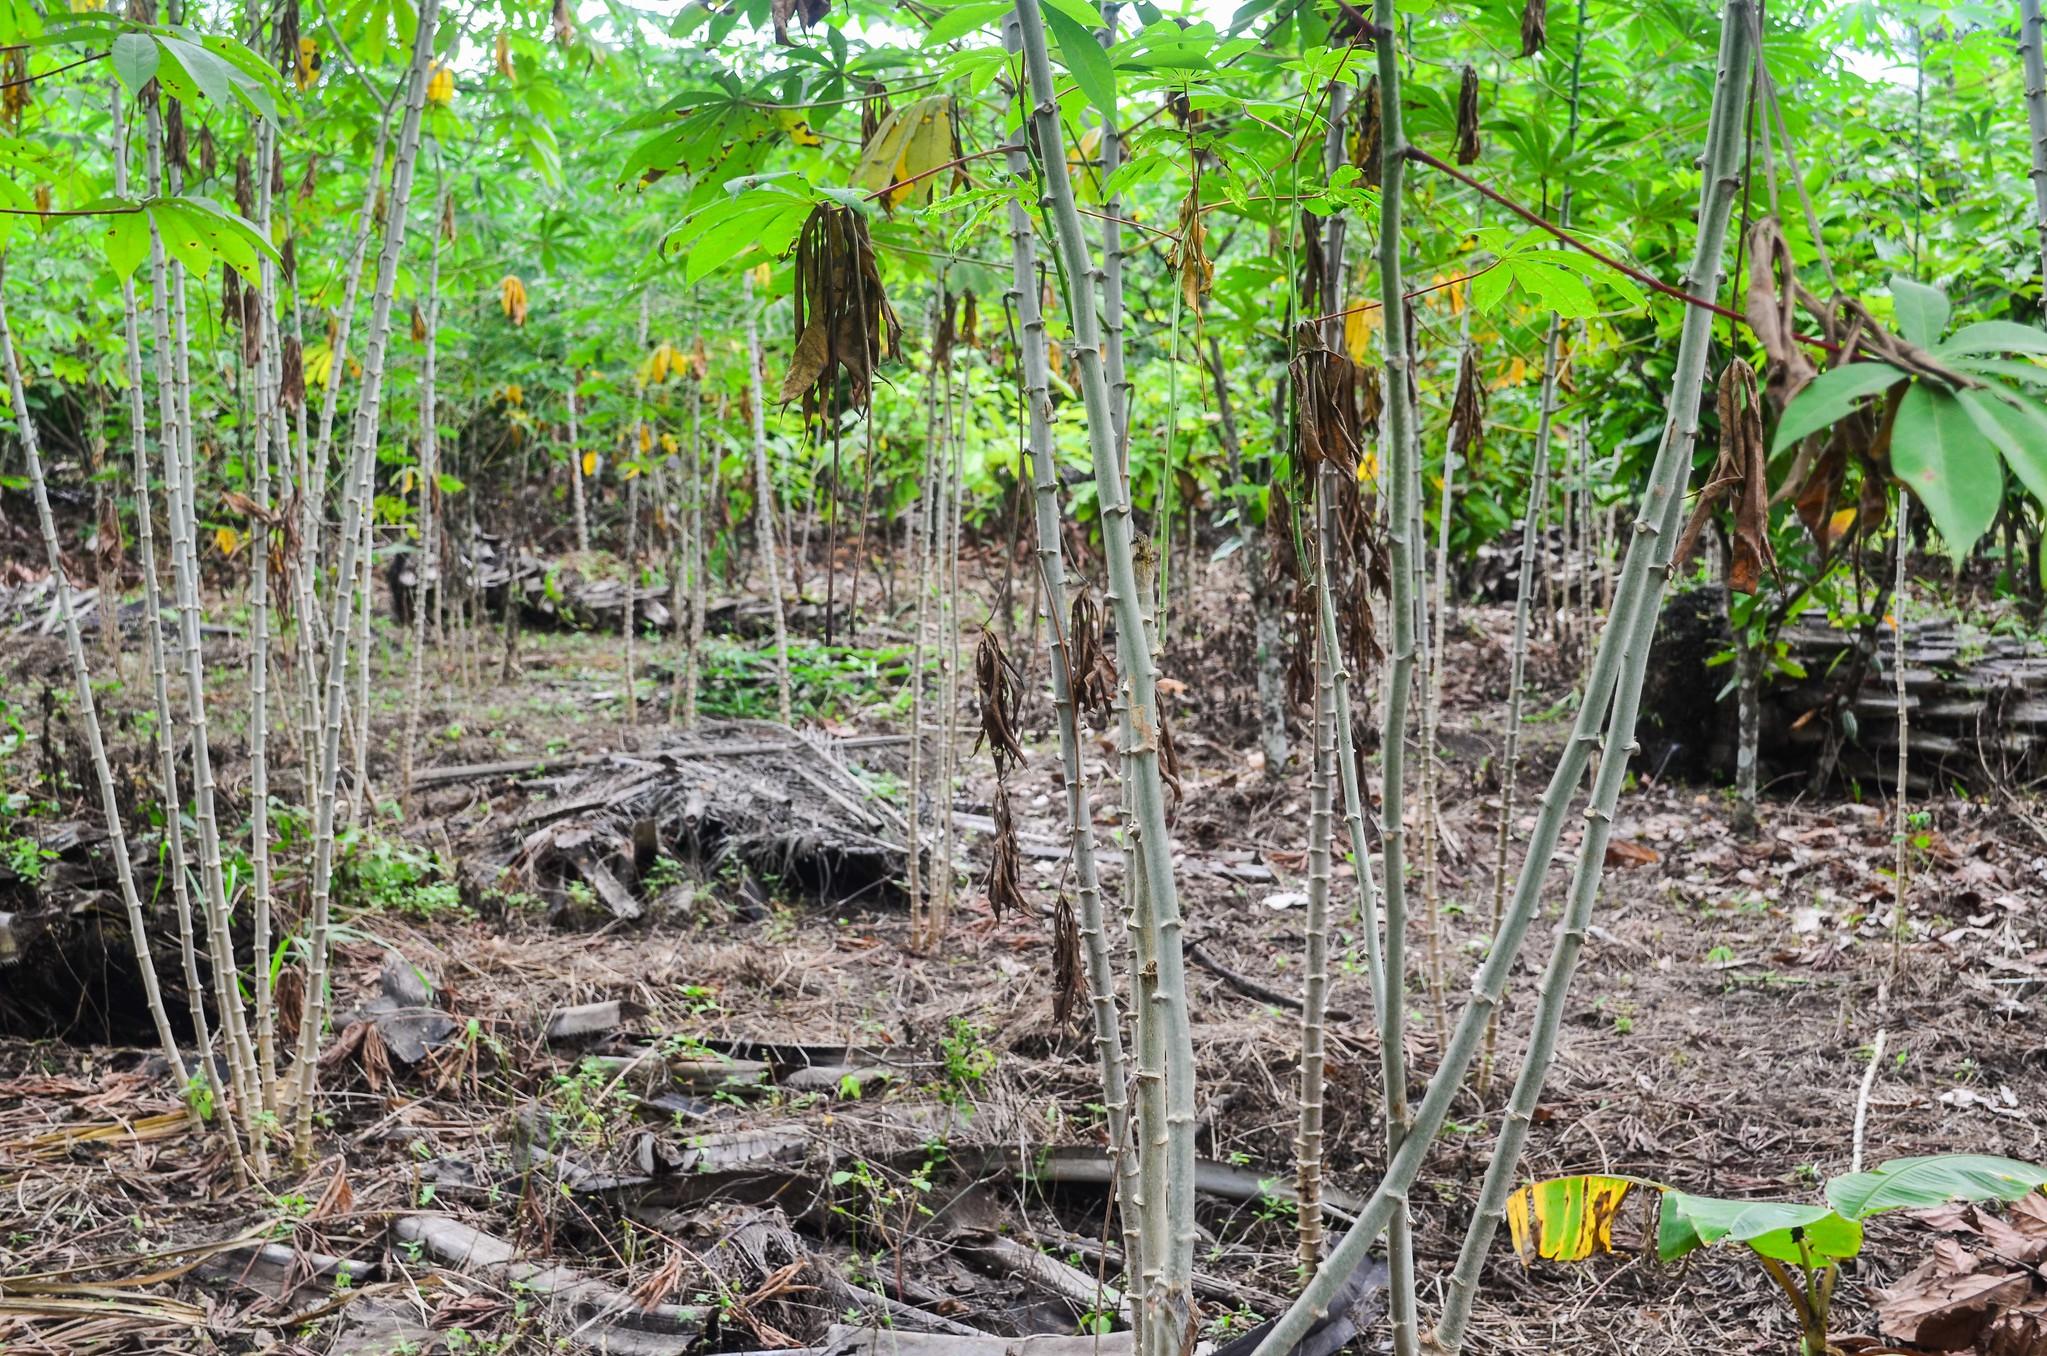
pixel 589 463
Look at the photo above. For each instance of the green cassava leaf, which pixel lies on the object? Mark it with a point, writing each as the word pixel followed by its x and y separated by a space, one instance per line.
pixel 955 24
pixel 1950 467
pixel 1084 59
pixel 2018 428
pixel 135 60
pixel 1829 397
pixel 1922 311
pixel 1993 336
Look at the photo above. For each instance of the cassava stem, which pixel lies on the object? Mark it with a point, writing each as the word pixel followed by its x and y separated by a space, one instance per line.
pixel 1617 672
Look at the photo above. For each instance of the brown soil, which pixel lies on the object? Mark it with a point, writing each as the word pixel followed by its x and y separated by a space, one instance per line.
pixel 1717 1034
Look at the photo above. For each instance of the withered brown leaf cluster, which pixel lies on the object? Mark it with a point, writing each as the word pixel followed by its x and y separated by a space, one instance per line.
pixel 1467 407
pixel 1325 386
pixel 843 320
pixel 1092 673
pixel 1534 26
pixel 1467 116
pixel 1819 471
pixel 1740 478
pixel 1364 136
pixel 999 687
pixel 807 12
pixel 1983 1289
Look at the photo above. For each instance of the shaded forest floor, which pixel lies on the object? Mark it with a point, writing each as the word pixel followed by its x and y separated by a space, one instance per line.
pixel 793 1122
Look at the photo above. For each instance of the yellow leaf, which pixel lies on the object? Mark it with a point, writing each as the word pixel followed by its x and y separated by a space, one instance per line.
pixel 512 298
pixel 668 444
pixel 1358 327
pixel 912 143
pixel 1516 373
pixel 1368 467
pixel 589 463
pixel 504 55
pixel 227 541
pixel 762 274
pixel 440 86
pixel 405 482
pixel 797 128
pixel 1566 1219
pixel 307 68
pixel 1840 523
pixel 646 440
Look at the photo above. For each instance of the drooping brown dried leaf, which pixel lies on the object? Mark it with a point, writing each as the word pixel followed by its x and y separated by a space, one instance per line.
pixel 1189 256
pixel 874 111
pixel 230 298
pixel 999 687
pixel 291 390
pixel 806 12
pixel 310 183
pixel 175 151
pixel 1467 116
pixel 252 325
pixel 1741 476
pixel 1364 137
pixel 1325 385
pixel 1772 308
pixel 1004 883
pixel 287 37
pixel 1093 673
pixel 564 23
pixel 209 153
pixel 1069 980
pixel 843 319
pixel 1534 26
pixel 1467 407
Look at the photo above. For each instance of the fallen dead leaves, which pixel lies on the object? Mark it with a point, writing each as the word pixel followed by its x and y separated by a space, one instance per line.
pixel 1982 1290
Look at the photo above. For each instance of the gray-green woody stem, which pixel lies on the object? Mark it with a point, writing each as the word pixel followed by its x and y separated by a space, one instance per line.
pixel 2032 33
pixel 1101 977
pixel 1402 471
pixel 1635 625
pixel 1617 666
pixel 1533 519
pixel 117 836
pixel 356 483
pixel 1170 1306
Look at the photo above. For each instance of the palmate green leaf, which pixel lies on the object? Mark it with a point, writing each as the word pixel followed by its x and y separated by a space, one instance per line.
pixel 957 23
pixel 135 60
pixel 2018 428
pixel 198 231
pixel 1917 1183
pixel 1993 336
pixel 1782 1230
pixel 1950 467
pixel 1829 397
pixel 1558 289
pixel 1922 311
pixel 1084 59
pixel 123 232
pixel 2011 369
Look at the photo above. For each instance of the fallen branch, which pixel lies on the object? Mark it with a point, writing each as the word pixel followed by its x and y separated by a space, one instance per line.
pixel 606 1318
pixel 1255 988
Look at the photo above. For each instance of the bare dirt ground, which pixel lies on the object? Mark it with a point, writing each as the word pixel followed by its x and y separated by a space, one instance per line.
pixel 796 1122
